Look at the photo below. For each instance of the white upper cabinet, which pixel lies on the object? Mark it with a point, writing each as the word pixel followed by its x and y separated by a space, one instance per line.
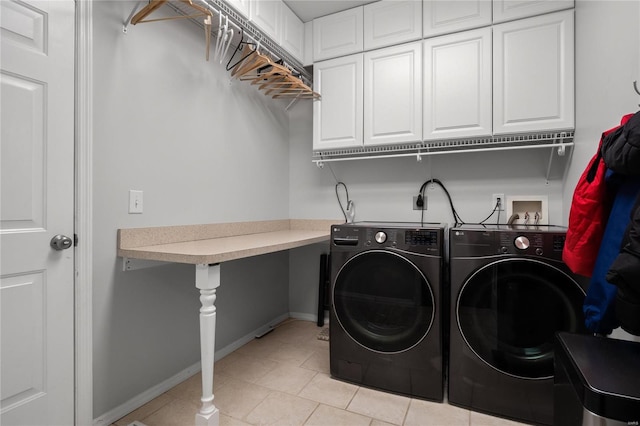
pixel 393 95
pixel 292 33
pixel 338 34
pixel 443 17
pixel 457 79
pixel 507 10
pixel 308 44
pixel 242 6
pixel 391 22
pixel 337 116
pixel 533 74
pixel 266 15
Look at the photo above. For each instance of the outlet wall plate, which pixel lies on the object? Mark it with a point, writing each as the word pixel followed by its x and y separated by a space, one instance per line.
pixel 415 205
pixel 494 200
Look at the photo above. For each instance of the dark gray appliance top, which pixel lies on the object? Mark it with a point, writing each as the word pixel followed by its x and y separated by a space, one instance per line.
pixel 527 228
pixel 608 371
pixel 427 238
pixel 542 241
pixel 399 225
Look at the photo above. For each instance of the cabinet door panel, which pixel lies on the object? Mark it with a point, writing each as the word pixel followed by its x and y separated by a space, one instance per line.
pixel 241 6
pixel 337 116
pixel 457 78
pixel 292 34
pixel 266 15
pixel 338 34
pixel 444 16
pixel 391 22
pixel 507 10
pixel 533 75
pixel 393 100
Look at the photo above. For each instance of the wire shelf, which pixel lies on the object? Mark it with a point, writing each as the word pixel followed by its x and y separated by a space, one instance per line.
pixel 559 140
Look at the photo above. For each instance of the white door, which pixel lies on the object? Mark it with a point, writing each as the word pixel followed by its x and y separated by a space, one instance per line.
pixel 37 203
pixel 393 95
pixel 533 74
pixel 457 85
pixel 337 115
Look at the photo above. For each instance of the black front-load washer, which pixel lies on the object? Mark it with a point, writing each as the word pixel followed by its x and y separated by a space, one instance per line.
pixel 385 315
pixel 510 294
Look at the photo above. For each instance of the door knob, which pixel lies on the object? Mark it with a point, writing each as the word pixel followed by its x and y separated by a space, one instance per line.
pixel 61 242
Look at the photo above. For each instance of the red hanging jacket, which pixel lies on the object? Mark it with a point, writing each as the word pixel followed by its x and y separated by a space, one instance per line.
pixel 589 213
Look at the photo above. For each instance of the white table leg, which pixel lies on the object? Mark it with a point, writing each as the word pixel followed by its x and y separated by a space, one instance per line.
pixel 207 280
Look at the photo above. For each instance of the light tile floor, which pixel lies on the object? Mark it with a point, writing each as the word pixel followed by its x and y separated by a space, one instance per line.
pixel 283 379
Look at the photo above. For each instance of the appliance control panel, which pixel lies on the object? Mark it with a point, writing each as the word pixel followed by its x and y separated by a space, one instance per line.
pixel 548 245
pixel 419 240
pixel 488 242
pixel 421 237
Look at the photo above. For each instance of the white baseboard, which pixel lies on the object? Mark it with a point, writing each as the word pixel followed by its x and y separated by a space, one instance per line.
pixel 309 317
pixel 303 316
pixel 139 400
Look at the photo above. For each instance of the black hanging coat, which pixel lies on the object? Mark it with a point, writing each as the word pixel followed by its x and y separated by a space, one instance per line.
pixel 621 153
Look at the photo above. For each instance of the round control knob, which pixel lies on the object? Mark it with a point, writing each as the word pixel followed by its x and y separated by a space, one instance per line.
pixel 381 237
pixel 539 251
pixel 522 242
pixel 503 250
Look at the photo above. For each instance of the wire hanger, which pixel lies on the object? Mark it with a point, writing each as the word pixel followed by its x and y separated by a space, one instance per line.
pixel 240 44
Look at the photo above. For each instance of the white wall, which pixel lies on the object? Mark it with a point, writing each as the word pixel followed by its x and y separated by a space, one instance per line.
pixel 204 149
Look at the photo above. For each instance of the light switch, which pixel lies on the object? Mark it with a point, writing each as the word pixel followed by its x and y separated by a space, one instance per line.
pixel 135 201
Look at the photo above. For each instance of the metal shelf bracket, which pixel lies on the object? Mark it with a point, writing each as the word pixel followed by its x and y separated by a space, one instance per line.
pixel 129 264
pixel 128 21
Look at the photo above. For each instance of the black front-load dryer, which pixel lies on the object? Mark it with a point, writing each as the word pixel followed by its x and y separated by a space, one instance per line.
pixel 510 294
pixel 385 316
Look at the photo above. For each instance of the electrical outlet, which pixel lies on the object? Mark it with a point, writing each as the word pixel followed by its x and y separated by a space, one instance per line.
pixel 415 203
pixel 494 201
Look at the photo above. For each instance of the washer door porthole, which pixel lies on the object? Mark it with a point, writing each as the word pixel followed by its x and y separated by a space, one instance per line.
pixel 509 311
pixel 383 301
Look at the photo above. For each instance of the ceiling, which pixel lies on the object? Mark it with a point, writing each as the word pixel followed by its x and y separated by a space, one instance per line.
pixel 308 10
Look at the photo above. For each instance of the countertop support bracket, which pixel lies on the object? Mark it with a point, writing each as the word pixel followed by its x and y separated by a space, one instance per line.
pixel 129 264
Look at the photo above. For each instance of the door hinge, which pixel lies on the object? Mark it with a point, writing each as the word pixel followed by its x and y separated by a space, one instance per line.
pixel 75 240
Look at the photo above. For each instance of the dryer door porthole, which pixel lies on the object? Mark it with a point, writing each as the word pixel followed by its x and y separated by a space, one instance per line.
pixel 509 311
pixel 383 301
